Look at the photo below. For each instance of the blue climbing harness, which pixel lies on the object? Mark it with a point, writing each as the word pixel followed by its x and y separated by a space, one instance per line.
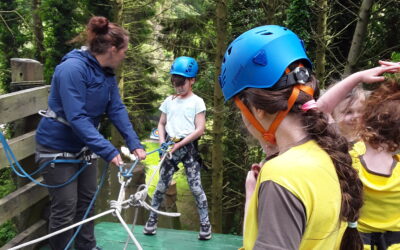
pixel 80 158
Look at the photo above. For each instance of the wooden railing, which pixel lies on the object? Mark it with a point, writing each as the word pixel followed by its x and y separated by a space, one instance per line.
pixel 19 110
pixel 14 107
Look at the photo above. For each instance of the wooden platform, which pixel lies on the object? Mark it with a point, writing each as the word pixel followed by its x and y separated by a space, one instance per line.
pixel 112 236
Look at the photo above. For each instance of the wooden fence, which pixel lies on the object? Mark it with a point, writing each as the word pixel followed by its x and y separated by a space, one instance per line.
pixel 20 110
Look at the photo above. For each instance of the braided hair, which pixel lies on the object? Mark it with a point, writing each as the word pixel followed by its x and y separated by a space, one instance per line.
pixel 317 126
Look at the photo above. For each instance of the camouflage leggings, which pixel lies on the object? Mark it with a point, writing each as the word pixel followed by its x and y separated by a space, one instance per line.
pixel 188 155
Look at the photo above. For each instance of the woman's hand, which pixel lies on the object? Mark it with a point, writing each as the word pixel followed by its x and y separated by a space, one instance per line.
pixel 139 152
pixel 117 160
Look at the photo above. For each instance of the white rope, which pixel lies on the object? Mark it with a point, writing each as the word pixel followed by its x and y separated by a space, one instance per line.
pixel 157 168
pixel 133 227
pixel 116 207
pixel 148 207
pixel 129 231
pixel 62 230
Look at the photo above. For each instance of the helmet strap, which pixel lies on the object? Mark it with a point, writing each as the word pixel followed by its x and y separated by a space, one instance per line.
pixel 269 135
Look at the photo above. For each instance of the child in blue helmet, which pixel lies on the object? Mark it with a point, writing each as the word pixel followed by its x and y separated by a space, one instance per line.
pixel 299 198
pixel 182 120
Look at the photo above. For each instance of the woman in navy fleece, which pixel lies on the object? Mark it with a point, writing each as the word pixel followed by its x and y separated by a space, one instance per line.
pixel 83 88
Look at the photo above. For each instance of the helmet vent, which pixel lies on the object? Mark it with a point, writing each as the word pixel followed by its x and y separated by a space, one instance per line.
pixel 261 31
pixel 267 33
pixel 229 50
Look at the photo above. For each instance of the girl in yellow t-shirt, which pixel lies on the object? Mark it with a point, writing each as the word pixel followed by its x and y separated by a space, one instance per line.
pixel 375 159
pixel 301 196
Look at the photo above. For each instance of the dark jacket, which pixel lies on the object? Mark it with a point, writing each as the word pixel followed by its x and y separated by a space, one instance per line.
pixel 81 92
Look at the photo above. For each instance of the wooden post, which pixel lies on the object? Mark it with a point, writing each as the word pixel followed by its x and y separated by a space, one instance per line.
pixel 26 73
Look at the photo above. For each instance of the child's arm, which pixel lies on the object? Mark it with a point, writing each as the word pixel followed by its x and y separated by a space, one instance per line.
pixel 161 128
pixel 337 93
pixel 386 63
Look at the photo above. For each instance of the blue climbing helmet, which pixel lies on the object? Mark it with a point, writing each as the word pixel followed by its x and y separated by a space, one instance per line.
pixel 184 66
pixel 258 59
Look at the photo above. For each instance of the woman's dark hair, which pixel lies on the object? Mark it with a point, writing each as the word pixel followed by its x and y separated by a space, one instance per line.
pixel 100 34
pixel 317 125
pixel 380 123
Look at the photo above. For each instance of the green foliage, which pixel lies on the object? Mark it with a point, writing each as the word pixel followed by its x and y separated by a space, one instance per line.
pixel 6 182
pixel 62 21
pixel 14 36
pixel 395 57
pixel 140 82
pixel 8 229
pixel 7 232
pixel 99 8
pixel 245 15
pixel 383 36
pixel 299 18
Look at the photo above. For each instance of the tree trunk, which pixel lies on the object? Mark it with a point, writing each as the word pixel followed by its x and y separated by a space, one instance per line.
pixel 218 125
pixel 358 37
pixel 322 13
pixel 37 30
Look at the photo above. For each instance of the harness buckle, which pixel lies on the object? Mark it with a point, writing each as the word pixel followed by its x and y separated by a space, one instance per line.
pixel 176 139
pixel 48 113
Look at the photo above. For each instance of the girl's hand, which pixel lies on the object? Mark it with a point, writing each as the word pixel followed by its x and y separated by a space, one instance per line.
pixel 386 63
pixel 251 178
pixel 374 75
pixel 251 181
pixel 256 169
pixel 176 146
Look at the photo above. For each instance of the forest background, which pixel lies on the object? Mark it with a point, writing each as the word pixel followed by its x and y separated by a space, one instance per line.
pixel 341 36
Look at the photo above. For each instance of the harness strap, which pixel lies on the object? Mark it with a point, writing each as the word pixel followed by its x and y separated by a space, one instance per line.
pixel 57 155
pixel 269 135
pixel 67 155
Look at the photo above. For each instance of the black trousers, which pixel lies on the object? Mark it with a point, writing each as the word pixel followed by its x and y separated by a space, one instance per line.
pixel 69 203
pixel 380 241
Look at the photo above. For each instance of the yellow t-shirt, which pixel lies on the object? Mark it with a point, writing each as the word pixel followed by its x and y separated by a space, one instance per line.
pixel 381 209
pixel 308 173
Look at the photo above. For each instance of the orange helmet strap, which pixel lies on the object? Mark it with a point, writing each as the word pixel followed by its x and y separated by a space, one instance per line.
pixel 250 117
pixel 270 134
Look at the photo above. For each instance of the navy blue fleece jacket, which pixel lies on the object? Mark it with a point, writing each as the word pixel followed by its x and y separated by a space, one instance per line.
pixel 81 92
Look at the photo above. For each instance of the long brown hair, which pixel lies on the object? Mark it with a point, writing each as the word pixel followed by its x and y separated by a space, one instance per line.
pixel 380 123
pixel 101 34
pixel 317 126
